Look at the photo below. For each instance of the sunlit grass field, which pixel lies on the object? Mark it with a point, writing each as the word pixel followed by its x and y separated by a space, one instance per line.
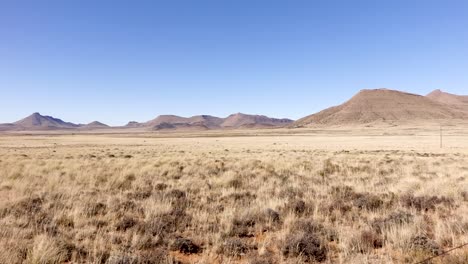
pixel 382 196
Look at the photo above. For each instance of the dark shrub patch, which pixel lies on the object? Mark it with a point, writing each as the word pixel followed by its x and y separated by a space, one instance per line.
pixel 27 206
pixel 175 221
pixel 395 218
pixel 343 194
pixel 317 229
pixel 298 207
pixel 127 206
pixel 125 223
pixel 306 246
pixel 139 195
pixel 156 256
pixel 343 191
pixel 242 198
pixel 243 227
pixel 185 246
pixel 93 209
pixel 98 223
pixel 423 243
pixel 65 221
pixel 101 256
pixel 424 203
pixel 340 205
pixel 161 186
pixel 367 201
pixel 235 183
pixel 176 194
pixel 371 239
pixel 272 215
pixel 234 247
pixel 329 168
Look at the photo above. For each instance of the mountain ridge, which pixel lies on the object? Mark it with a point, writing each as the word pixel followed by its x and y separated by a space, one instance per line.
pixel 36 121
pixel 382 105
pixel 368 106
pixel 238 120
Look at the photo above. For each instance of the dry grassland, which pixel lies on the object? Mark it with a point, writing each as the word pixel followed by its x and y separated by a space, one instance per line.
pixel 329 197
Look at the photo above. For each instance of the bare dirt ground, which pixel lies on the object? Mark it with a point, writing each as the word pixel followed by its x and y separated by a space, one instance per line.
pixel 347 195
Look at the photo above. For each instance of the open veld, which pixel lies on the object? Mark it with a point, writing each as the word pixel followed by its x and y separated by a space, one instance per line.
pixel 365 195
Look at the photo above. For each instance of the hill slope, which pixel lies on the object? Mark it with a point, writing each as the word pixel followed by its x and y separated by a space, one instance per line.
pixel 172 121
pixel 242 120
pixel 459 102
pixel 383 105
pixel 95 125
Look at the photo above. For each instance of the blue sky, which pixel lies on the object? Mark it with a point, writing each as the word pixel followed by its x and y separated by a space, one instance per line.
pixel 116 61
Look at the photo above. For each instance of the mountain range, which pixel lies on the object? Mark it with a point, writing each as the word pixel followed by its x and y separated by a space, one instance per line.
pixel 370 106
pixel 36 121
pixel 204 122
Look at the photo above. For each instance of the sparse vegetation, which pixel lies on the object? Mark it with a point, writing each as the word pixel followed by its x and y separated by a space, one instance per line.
pixel 190 201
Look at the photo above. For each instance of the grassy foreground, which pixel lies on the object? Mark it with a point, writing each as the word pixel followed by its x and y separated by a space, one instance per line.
pixel 110 199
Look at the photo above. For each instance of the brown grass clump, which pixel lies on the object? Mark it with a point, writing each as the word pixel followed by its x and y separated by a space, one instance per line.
pixel 243 227
pixel 306 246
pixel 371 240
pixel 423 243
pixel 273 216
pixel 176 220
pixel 185 246
pixel 125 223
pixel 235 247
pixel 395 219
pixel 425 203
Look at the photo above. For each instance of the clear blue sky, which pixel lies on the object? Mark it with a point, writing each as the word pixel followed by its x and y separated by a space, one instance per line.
pixel 117 61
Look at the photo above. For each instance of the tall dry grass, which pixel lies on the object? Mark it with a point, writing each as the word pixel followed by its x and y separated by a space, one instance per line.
pixel 213 202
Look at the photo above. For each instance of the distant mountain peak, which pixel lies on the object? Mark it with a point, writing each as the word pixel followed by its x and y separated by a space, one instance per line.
pixel 96 124
pixel 38 121
pixel 459 101
pixel 436 92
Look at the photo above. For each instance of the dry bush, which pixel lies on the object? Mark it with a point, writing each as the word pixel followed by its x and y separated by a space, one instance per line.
pixel 156 256
pixel 394 219
pixel 425 244
pixel 309 226
pixel 125 223
pixel 185 245
pixel 177 220
pixel 425 203
pixel 234 247
pixel 370 240
pixel 306 246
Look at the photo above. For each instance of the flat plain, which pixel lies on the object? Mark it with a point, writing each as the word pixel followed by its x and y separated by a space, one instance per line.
pixel 344 195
